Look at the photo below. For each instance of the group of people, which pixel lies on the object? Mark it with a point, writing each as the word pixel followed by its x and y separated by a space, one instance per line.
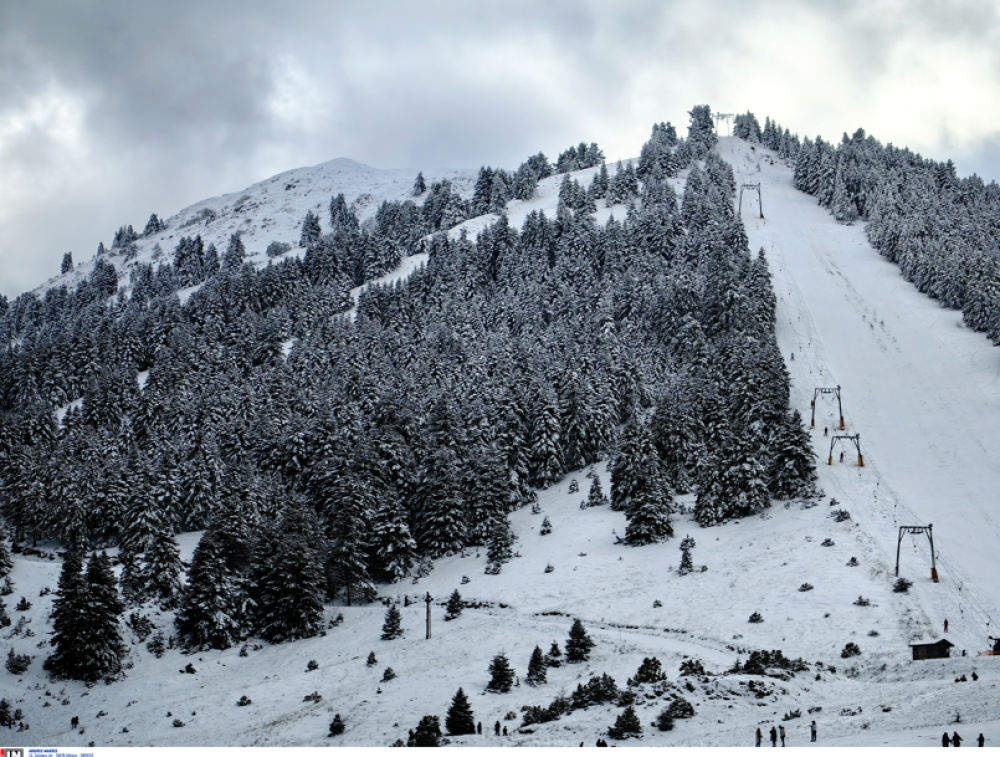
pixel 957 740
pixel 779 733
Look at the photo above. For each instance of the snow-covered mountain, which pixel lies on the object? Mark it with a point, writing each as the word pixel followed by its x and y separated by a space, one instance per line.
pixel 915 385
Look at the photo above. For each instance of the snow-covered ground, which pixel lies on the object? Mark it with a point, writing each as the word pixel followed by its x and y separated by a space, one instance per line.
pixel 916 385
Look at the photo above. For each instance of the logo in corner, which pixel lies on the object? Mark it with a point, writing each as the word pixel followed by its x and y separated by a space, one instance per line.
pixel 12 752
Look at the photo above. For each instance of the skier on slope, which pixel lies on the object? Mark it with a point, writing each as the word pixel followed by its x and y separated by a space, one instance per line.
pixel 956 740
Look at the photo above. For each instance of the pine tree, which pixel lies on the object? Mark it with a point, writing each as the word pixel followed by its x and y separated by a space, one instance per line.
pixel 68 616
pixel 209 610
pixel 627 724
pixel 311 231
pixel 501 545
pixel 103 650
pixel 393 548
pixel 336 725
pixel 460 720
pixel 392 628
pixel 536 668
pixel 235 252
pixel 595 497
pixel 67 262
pixel 579 644
pixel 427 733
pixel 687 544
pixel 290 582
pixel 638 487
pixel 4 617
pixel 454 608
pixel 792 472
pixel 6 564
pixel 554 658
pixel 162 582
pixel 501 674
pixel 419 185
pixel 351 503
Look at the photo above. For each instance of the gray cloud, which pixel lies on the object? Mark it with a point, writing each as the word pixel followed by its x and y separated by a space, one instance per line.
pixel 110 111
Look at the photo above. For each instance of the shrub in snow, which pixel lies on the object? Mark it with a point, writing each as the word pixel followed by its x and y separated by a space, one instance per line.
pixel 314 697
pixel 650 671
pixel 598 690
pixel 692 667
pixel 687 544
pixel 902 585
pixel 337 621
pixel 17 663
pixel 336 725
pixel 839 516
pixel 189 668
pixel 873 632
pixel 501 674
pixel 465 580
pixel 277 248
pixel 546 526
pixel 312 665
pixel 549 568
pixel 664 721
pixel 141 625
pixel 756 618
pixel 850 650
pixel 371 659
pixel 460 721
pixel 454 608
pixel 657 603
pixel 8 587
pixel 626 725
pixel 427 733
pixel 574 486
pixel 388 675
pixel 4 617
pixel 828 542
pixel 853 562
pixel 178 723
pixel 23 606
pixel 862 601
pixel 680 708
pixel 792 715
pixel 244 701
pixel 806 587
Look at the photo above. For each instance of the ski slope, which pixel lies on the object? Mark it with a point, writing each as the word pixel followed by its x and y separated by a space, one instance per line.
pixel 921 389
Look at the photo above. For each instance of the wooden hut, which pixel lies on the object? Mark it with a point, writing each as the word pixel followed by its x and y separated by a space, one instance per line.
pixel 931 650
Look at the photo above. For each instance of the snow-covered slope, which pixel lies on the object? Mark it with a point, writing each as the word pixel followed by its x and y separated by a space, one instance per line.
pixel 272 210
pixel 912 380
pixel 921 389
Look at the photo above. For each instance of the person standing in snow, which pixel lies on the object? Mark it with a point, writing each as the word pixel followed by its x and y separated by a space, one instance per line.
pixel 781 732
pixel 981 740
pixel 945 741
pixel 946 625
pixel 825 431
pixel 774 736
pixel 956 740
pixel 479 727
pixel 496 728
pixel 759 736
pixel 812 731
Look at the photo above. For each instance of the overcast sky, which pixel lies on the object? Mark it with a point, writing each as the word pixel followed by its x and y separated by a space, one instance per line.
pixel 112 110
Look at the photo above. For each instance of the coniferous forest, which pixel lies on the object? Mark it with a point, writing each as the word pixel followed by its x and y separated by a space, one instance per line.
pixel 322 456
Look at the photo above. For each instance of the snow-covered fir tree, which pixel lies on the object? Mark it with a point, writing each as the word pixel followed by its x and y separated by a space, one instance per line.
pixel 460 720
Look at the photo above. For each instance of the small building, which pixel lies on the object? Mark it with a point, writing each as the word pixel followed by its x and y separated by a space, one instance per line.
pixel 931 650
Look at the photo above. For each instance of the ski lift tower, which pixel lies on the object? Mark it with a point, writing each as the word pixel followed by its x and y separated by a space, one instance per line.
pixel 727 117
pixel 754 188
pixel 856 438
pixel 827 390
pixel 929 530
